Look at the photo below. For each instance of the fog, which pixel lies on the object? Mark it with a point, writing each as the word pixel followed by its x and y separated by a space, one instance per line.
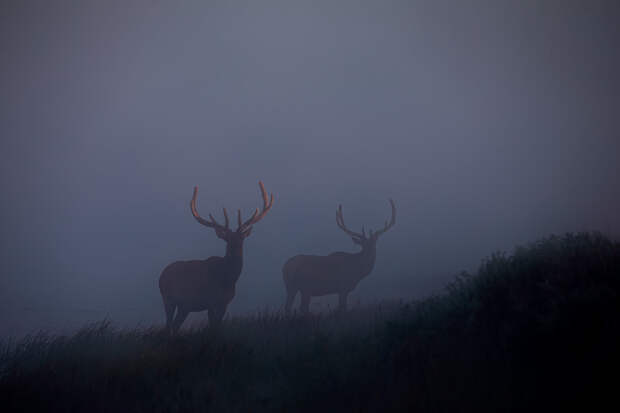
pixel 490 123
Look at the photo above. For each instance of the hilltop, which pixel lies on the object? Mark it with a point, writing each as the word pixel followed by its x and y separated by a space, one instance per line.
pixel 534 330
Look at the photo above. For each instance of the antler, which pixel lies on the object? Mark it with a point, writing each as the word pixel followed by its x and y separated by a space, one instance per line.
pixel 392 221
pixel 340 222
pixel 211 224
pixel 388 225
pixel 256 216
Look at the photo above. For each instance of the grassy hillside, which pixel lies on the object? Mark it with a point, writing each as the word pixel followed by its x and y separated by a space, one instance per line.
pixel 537 330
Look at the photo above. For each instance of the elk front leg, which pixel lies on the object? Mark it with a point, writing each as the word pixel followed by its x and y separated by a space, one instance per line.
pixel 170 308
pixel 342 302
pixel 290 297
pixel 216 315
pixel 305 303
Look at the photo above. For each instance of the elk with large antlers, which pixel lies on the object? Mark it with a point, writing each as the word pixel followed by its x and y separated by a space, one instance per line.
pixel 337 273
pixel 198 285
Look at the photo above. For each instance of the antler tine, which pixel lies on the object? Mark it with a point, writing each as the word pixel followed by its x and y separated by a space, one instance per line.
pixel 200 219
pixel 211 224
pixel 392 220
pixel 248 222
pixel 214 222
pixel 225 218
pixel 256 216
pixel 342 226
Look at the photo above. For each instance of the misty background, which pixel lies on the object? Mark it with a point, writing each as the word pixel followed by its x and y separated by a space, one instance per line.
pixel 490 123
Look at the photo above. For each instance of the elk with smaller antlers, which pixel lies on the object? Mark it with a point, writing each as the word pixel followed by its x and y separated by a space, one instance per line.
pixel 337 273
pixel 198 285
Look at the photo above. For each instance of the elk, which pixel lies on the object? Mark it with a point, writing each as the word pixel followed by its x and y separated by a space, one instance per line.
pixel 337 273
pixel 198 285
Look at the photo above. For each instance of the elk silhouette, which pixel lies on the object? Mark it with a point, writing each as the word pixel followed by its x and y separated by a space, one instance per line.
pixel 198 285
pixel 337 273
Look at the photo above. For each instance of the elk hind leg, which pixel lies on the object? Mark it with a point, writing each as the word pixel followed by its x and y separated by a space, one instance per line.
pixel 178 320
pixel 290 297
pixel 342 302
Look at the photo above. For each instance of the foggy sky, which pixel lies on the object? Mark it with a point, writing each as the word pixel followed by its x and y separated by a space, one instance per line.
pixel 490 123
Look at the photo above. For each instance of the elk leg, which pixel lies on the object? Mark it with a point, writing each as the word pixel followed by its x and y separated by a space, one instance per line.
pixel 178 320
pixel 342 302
pixel 169 308
pixel 305 303
pixel 215 317
pixel 290 297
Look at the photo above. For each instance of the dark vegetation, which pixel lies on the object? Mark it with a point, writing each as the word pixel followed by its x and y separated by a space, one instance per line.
pixel 538 330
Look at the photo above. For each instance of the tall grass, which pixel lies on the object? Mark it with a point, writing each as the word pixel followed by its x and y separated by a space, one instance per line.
pixel 536 330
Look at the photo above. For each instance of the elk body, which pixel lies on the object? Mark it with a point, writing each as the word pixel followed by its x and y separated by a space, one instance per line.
pixel 337 273
pixel 198 285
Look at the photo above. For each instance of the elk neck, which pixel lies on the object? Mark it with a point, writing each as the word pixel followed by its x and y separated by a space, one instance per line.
pixel 367 257
pixel 234 256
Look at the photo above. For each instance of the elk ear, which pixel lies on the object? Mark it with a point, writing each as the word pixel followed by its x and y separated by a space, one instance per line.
pixel 357 240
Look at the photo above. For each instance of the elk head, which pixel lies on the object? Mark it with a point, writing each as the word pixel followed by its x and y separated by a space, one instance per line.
pixel 234 239
pixel 366 242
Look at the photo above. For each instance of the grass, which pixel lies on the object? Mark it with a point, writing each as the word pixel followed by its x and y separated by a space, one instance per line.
pixel 536 330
